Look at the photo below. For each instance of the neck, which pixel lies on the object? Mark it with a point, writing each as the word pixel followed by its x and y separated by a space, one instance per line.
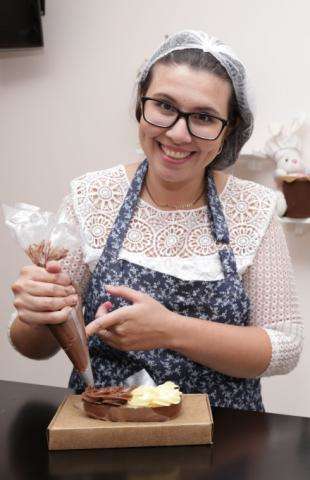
pixel 166 192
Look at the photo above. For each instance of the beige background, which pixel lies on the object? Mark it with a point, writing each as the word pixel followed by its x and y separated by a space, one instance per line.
pixel 65 109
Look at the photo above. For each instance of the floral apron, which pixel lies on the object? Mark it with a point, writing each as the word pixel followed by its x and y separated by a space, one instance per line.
pixel 223 301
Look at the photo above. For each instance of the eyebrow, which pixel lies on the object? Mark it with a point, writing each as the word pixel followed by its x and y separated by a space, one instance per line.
pixel 208 108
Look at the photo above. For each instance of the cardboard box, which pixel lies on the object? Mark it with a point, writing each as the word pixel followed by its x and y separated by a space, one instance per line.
pixel 71 429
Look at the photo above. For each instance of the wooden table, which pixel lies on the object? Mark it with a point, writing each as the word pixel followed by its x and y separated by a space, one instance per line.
pixel 247 445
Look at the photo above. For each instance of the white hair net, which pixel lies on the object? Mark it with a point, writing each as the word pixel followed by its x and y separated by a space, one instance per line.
pixel 189 39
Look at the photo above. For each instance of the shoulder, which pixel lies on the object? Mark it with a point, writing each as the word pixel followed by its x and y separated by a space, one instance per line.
pixel 115 173
pixel 96 199
pixel 249 208
pixel 100 188
pixel 99 192
pixel 239 186
pixel 248 199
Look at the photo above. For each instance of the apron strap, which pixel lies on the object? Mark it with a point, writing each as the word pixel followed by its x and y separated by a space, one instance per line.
pixel 118 232
pixel 219 228
pixel 228 261
pixel 218 224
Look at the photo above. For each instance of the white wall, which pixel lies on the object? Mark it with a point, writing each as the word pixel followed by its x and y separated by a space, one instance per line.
pixel 65 110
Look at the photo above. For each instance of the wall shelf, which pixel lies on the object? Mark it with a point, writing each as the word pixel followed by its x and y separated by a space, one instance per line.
pixel 300 225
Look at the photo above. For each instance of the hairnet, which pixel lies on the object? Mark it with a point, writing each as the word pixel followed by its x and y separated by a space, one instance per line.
pixel 187 39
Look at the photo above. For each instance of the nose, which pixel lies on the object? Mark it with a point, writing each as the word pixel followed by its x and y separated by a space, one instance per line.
pixel 179 133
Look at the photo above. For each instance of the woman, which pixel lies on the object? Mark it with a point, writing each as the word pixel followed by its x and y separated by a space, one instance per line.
pixel 192 259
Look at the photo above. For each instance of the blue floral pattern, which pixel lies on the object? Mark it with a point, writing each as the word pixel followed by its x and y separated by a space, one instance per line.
pixel 222 301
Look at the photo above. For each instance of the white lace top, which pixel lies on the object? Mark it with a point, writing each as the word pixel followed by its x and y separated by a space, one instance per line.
pixel 179 243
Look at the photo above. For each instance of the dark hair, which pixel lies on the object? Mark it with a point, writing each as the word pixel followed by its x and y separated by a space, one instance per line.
pixel 198 60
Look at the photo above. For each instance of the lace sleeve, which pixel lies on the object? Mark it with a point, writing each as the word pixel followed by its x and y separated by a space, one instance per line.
pixel 74 264
pixel 270 285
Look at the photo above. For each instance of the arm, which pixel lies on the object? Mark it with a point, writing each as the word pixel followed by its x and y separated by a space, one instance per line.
pixel 236 351
pixel 28 333
pixel 32 342
pixel 270 284
pixel 272 342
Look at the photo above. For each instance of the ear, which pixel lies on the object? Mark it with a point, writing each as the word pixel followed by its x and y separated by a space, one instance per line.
pixel 232 127
pixel 220 149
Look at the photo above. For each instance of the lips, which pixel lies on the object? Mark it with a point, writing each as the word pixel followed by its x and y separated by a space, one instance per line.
pixel 175 153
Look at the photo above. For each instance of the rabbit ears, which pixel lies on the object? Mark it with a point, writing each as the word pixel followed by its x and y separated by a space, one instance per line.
pixel 285 135
pixel 283 131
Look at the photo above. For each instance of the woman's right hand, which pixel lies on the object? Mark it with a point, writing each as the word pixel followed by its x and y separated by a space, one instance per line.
pixel 43 295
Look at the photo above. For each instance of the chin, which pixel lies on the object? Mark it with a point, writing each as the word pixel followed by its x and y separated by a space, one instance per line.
pixel 172 175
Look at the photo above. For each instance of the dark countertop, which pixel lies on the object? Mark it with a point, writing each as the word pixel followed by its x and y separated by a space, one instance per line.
pixel 247 445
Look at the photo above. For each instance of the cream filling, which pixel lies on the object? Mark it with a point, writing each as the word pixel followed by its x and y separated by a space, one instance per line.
pixel 148 396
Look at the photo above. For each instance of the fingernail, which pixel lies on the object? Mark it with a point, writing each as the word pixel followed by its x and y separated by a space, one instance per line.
pixel 71 290
pixel 109 287
pixel 107 305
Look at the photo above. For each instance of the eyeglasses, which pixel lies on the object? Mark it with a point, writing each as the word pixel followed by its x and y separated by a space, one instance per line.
pixel 161 113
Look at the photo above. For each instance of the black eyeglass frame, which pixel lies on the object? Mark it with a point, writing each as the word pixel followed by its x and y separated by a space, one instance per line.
pixel 184 115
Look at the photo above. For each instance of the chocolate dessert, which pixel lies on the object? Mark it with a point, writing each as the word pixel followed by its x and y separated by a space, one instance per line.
pixel 296 190
pixel 134 404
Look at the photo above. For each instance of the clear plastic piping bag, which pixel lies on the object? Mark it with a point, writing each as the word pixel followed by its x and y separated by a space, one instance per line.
pixel 44 237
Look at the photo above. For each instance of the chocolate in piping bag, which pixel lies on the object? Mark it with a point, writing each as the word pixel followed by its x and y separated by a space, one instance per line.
pixel 44 237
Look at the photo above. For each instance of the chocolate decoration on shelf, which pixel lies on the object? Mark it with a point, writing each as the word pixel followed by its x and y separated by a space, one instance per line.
pixel 297 196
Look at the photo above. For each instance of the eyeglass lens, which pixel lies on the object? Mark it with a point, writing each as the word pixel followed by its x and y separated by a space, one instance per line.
pixel 162 114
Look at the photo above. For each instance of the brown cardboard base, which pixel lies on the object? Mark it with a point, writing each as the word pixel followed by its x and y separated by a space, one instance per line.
pixel 71 429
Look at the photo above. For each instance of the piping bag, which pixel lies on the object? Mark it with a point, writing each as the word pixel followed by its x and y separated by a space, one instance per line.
pixel 45 236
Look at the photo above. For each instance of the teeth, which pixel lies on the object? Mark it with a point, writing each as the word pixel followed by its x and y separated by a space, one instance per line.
pixel 173 154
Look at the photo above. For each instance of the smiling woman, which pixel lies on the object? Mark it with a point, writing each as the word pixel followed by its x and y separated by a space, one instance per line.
pixel 177 156
pixel 184 273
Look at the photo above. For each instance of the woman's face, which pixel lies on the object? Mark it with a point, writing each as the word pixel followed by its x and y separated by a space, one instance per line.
pixel 188 90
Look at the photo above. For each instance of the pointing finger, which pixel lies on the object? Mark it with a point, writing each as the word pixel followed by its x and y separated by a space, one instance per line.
pixel 107 320
pixel 94 326
pixel 125 292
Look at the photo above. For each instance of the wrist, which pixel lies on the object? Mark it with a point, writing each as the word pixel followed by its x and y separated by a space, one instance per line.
pixel 175 330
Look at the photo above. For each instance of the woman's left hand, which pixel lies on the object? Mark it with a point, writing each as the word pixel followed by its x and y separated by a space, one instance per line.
pixel 144 325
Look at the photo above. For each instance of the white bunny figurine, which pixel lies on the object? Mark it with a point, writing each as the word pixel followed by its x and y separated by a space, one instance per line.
pixel 288 161
pixel 284 146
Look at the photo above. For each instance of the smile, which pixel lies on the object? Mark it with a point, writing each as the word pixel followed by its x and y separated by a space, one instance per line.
pixel 174 153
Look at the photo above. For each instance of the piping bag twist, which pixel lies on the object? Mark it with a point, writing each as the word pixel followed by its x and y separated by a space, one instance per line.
pixel 45 237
